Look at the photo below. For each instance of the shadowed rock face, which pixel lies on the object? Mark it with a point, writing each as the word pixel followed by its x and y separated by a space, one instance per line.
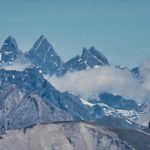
pixel 63 136
pixel 118 102
pixel 43 55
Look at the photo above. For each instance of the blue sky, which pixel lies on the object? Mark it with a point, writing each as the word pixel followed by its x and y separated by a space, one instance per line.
pixel 118 28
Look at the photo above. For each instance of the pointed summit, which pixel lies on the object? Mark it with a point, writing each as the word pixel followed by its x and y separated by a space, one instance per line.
pixel 9 50
pixel 10 42
pixel 41 43
pixel 90 58
pixel 93 57
pixel 43 55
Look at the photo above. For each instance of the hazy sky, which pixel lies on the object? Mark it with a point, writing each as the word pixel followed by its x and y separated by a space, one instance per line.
pixel 118 28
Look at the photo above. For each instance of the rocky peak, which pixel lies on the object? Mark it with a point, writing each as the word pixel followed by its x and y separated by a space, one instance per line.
pixel 93 57
pixel 9 50
pixel 43 55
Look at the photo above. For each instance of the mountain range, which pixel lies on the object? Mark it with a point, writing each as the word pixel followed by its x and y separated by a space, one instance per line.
pixel 27 99
pixel 43 56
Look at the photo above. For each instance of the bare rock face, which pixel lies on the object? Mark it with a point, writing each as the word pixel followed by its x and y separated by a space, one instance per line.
pixel 19 109
pixel 63 136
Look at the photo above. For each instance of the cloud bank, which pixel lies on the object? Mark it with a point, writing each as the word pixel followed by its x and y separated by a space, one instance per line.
pixel 90 83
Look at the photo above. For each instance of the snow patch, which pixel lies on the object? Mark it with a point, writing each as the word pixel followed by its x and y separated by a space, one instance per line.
pixel 86 102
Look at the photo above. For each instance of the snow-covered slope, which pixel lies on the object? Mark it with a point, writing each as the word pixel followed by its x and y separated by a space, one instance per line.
pixel 63 136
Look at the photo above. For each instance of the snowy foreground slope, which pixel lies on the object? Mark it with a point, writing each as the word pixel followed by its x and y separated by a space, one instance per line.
pixel 63 136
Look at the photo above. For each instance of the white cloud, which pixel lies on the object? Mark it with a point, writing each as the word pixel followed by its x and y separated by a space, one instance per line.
pixel 89 83
pixel 18 64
